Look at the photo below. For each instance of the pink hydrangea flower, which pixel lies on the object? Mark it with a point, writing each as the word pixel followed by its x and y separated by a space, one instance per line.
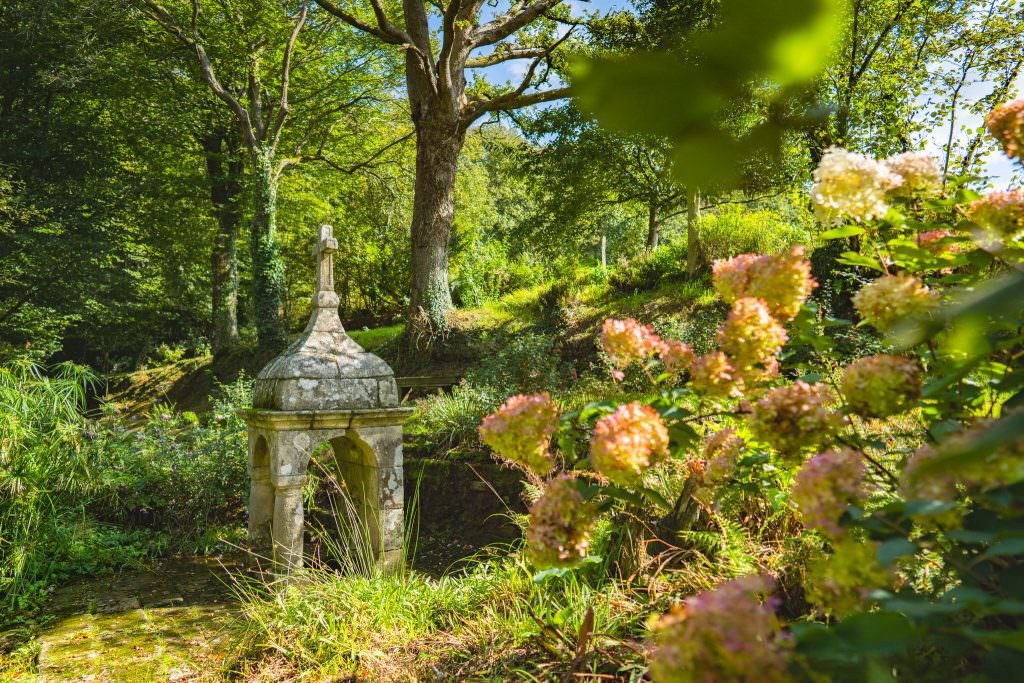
pixel 791 418
pixel 783 281
pixel 714 376
pixel 520 431
pixel 627 340
pixel 881 385
pixel 721 451
pixel 751 337
pixel 850 185
pixel 891 299
pixel 919 170
pixel 732 276
pixel 676 355
pixel 1000 213
pixel 560 524
pixel 932 241
pixel 1006 123
pixel 935 485
pixel 840 583
pixel 826 485
pixel 999 467
pixel 724 634
pixel 627 442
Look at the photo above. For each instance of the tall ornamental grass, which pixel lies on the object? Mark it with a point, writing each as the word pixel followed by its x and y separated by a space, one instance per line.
pixel 43 469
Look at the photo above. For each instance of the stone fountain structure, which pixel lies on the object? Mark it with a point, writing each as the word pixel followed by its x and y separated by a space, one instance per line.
pixel 325 389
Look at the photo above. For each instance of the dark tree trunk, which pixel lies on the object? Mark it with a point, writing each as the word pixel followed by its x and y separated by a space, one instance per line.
pixel 692 226
pixel 653 227
pixel 438 143
pixel 224 168
pixel 267 269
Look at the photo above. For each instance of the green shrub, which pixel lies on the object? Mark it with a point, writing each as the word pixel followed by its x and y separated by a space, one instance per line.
pixel 44 473
pixel 487 272
pixel 450 419
pixel 82 496
pixel 517 364
pixel 645 271
pixel 732 230
pixel 521 363
pixel 174 473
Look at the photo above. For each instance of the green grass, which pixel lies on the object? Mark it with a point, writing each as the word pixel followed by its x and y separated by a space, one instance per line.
pixel 491 619
pixel 375 338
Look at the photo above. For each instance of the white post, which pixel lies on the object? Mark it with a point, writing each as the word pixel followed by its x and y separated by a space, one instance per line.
pixel 604 254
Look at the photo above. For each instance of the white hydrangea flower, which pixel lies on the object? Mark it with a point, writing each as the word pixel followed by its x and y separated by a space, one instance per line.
pixel 919 170
pixel 850 185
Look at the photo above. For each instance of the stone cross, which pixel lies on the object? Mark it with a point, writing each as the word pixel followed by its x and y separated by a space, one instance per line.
pixel 322 250
pixel 325 301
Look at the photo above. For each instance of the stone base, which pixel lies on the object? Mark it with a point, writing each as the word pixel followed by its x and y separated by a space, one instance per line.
pixel 367 449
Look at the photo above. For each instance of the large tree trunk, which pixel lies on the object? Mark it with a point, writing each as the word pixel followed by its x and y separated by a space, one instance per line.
pixel 224 168
pixel 438 144
pixel 692 226
pixel 653 227
pixel 267 269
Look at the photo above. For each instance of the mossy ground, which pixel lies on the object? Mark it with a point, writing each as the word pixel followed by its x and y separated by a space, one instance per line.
pixel 165 624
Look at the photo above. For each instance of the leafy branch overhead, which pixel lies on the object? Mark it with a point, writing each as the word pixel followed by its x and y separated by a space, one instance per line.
pixel 762 51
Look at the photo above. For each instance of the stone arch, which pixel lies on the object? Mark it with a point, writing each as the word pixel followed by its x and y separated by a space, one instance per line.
pixel 347 497
pixel 260 453
pixel 261 495
pixel 357 466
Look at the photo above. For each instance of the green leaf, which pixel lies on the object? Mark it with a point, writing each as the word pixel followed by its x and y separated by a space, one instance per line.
pixel 654 497
pixel 1010 639
pixel 893 549
pixel 839 233
pixel 878 633
pixel 1006 547
pixel 682 434
pixel 852 258
pixel 547 574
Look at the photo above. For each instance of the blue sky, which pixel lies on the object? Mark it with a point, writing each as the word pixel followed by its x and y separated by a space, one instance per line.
pixel 1001 170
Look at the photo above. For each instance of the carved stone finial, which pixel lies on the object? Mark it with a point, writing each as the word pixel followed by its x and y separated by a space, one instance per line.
pixel 326 245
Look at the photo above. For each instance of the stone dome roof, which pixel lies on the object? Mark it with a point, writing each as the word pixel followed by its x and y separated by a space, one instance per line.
pixel 325 369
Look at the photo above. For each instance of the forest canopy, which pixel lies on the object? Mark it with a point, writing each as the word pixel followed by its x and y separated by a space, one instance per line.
pixel 146 205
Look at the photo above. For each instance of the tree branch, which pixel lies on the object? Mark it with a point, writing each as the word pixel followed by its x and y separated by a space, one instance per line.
pixel 517 98
pixel 286 65
pixel 497 57
pixel 512 100
pixel 366 163
pixel 385 30
pixel 169 24
pixel 510 22
pixel 450 37
pixel 878 42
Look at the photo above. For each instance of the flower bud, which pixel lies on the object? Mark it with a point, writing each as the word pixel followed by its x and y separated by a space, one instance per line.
pixel 723 634
pixel 627 442
pixel 891 299
pixel 520 431
pixel 881 385
pixel 825 487
pixel 794 417
pixel 1006 124
pixel 560 523
pixel 849 185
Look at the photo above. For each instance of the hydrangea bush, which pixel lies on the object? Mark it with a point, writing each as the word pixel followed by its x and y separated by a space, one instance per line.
pixel 946 298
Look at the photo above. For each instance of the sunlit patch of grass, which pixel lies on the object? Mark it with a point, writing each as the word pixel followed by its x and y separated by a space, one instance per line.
pixel 491 619
pixel 373 339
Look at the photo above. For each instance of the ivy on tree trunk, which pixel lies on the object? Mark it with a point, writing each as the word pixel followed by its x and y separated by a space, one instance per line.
pixel 267 268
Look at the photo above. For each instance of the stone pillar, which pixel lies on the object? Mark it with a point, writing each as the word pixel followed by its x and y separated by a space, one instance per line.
pixel 261 496
pixel 289 525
